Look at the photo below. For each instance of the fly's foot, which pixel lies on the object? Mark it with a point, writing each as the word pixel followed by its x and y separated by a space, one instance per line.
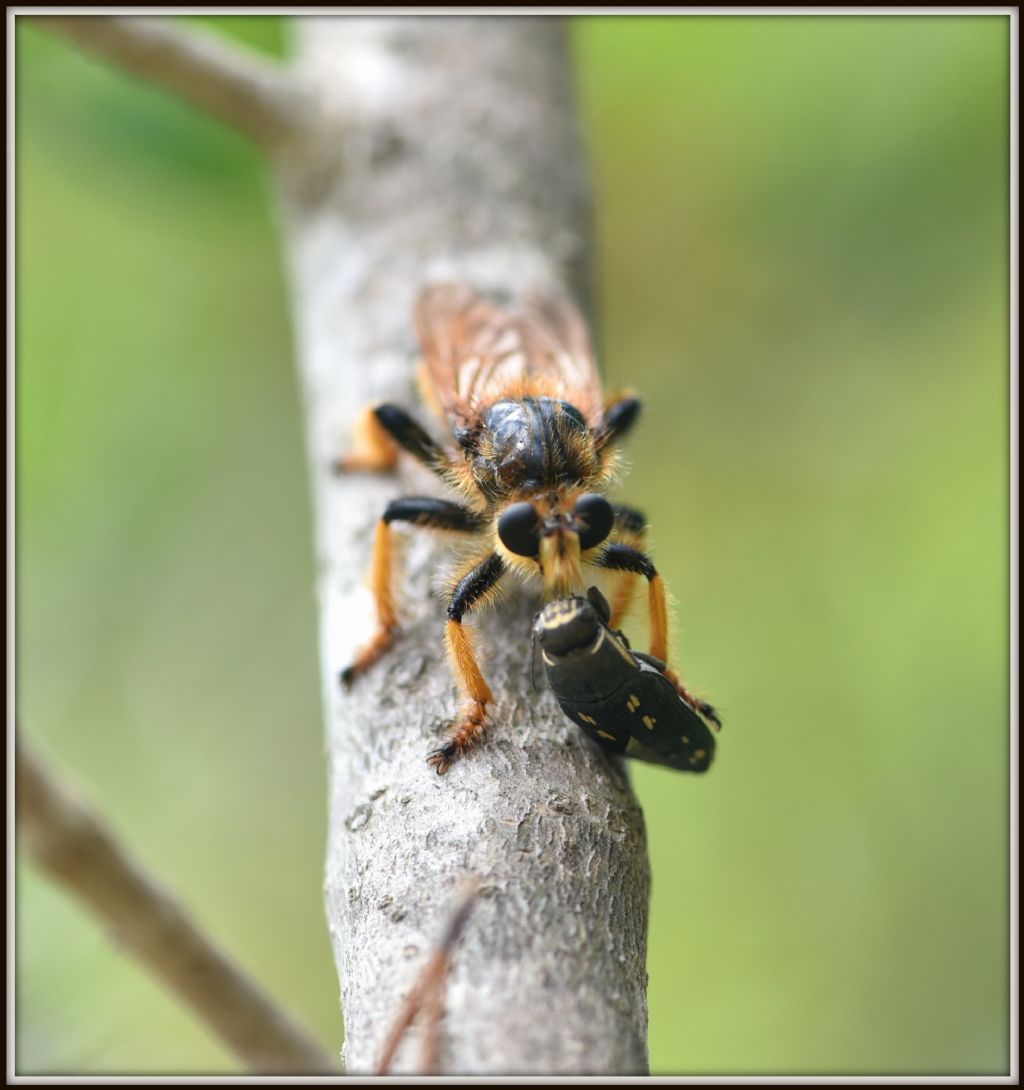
pixel 463 737
pixel 709 713
pixel 441 759
pixel 702 707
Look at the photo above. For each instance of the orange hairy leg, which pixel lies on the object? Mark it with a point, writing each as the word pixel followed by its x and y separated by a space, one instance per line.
pixel 625 558
pixel 657 606
pixel 659 648
pixel 381 584
pixel 379 433
pixel 629 527
pixel 622 599
pixel 459 644
pixel 372 446
pixel 425 511
pixel 475 586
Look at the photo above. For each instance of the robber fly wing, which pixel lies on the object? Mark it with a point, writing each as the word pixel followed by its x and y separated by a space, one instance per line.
pixel 559 348
pixel 476 353
pixel 458 331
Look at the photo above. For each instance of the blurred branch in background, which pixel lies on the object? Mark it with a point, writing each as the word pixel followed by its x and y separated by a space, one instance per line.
pixel 75 847
pixel 248 92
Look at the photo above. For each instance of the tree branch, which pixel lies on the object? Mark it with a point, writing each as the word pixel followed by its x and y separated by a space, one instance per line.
pixel 456 158
pixel 259 99
pixel 74 847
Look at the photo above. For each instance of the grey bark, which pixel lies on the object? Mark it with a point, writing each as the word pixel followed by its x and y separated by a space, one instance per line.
pixel 449 150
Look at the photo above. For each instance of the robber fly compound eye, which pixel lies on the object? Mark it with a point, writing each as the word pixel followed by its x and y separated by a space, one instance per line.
pixel 519 529
pixel 595 517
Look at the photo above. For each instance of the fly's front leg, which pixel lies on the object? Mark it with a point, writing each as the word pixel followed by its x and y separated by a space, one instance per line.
pixel 625 558
pixel 471 589
pixel 630 525
pixel 420 511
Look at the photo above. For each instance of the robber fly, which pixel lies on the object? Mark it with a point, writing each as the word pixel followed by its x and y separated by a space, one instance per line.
pixel 533 451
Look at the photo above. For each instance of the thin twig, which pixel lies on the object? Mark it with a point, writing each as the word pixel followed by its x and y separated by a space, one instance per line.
pixel 258 98
pixel 433 1016
pixel 72 845
pixel 427 993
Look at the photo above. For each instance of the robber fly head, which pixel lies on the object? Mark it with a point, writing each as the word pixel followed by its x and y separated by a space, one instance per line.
pixel 554 530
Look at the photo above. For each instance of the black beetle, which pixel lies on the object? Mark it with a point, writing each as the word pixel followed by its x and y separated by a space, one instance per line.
pixel 618 696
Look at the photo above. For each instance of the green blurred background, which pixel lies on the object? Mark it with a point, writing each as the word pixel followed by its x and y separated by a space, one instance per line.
pixel 803 266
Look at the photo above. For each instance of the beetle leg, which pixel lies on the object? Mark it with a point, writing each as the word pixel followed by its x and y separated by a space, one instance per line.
pixel 420 511
pixel 475 586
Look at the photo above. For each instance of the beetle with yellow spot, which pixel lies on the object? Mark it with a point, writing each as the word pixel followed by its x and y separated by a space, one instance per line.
pixel 621 698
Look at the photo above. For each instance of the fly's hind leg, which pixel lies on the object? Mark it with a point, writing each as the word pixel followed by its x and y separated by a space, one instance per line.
pixel 625 558
pixel 423 511
pixel 380 432
pixel 473 588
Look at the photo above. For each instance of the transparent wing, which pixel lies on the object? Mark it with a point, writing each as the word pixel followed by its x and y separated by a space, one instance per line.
pixel 476 353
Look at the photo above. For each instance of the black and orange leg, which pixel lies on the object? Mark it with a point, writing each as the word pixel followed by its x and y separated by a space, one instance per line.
pixel 425 511
pixel 471 589
pixel 380 432
pixel 625 558
pixel 630 525
pixel 695 702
